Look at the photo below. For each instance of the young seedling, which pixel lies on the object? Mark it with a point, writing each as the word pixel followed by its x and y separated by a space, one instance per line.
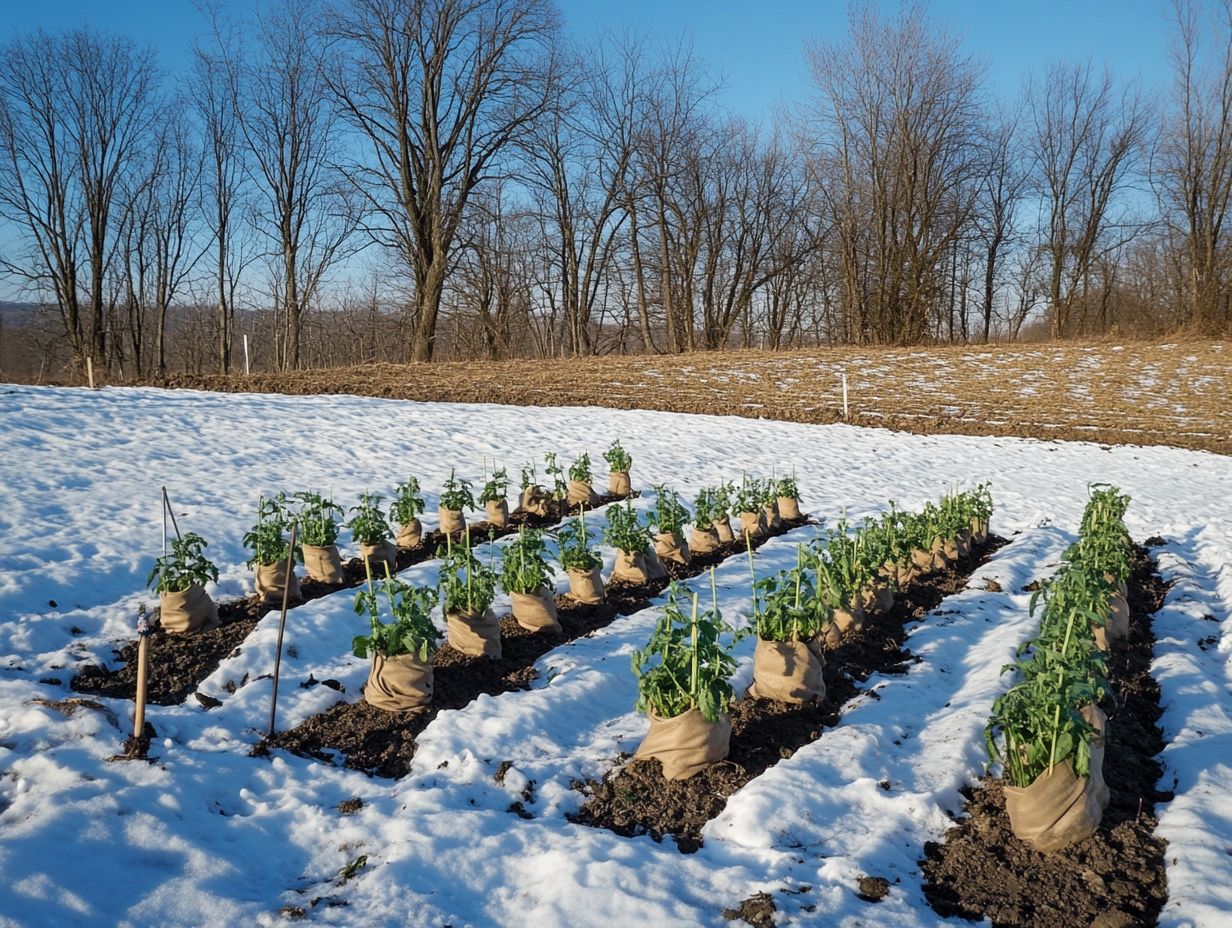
pixel 408 504
pixel 524 563
pixel 456 493
pixel 618 459
pixel 266 539
pixel 368 524
pixel 184 566
pixel 318 520
pixel 410 629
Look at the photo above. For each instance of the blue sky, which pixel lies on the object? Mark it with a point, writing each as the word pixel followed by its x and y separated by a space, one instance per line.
pixel 756 45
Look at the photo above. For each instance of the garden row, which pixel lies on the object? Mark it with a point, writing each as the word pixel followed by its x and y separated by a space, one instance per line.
pixel 821 627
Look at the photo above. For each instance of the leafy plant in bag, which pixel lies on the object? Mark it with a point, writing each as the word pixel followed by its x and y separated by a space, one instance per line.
pixel 408 502
pixel 467 584
pixel 524 564
pixel 789 606
pixel 580 469
pixel 496 489
pixel 185 565
pixel 575 551
pixel 669 515
pixel 410 629
pixel 625 531
pixel 318 519
pixel 618 459
pixel 788 488
pixel 267 539
pixel 368 525
pixel 706 508
pixel 456 493
pixel 560 487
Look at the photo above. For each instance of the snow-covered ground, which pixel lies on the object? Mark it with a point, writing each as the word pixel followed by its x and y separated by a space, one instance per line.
pixel 210 836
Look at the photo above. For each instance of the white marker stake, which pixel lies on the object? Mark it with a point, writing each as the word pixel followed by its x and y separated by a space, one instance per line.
pixel 90 371
pixel 845 415
pixel 247 369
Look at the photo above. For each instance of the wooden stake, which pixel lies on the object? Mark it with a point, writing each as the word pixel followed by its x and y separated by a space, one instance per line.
pixel 143 662
pixel 282 625
pixel 846 416
pixel 247 369
pixel 90 371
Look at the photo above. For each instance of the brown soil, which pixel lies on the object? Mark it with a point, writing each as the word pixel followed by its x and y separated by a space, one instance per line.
pixel 1090 391
pixel 383 743
pixel 757 910
pixel 178 663
pixel 637 800
pixel 1115 877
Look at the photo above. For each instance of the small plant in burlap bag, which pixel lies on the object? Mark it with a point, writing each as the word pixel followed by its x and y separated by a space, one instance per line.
pixel 179 578
pixel 401 650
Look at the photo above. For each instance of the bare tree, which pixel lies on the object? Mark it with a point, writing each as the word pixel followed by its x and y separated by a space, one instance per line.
pixel 439 90
pixel 1002 188
pixel 1194 169
pixel 1084 137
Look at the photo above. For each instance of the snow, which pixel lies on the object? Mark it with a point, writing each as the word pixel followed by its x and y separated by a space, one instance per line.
pixel 209 835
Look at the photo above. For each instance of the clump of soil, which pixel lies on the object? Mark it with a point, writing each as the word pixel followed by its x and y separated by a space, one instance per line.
pixel 178 663
pixel 383 743
pixel 757 910
pixel 350 806
pixel 637 800
pixel 1115 877
pixel 872 888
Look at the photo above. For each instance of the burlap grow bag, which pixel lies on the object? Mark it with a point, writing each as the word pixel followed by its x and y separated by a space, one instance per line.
pixel 188 611
pixel 752 524
pixel 1116 622
pixel 846 622
pixel 789 671
pixel 536 612
pixel 398 683
pixel 876 597
pixel 789 508
pixel 533 501
pixel 703 540
pixel 378 556
pixel 962 543
pixel 722 528
pixel 633 568
pixel 1060 808
pixel 272 579
pixel 323 564
pixel 949 548
pixel 770 518
pixel 452 521
pixel 586 586
pixel 478 635
pixel 410 535
pixel 581 493
pixel 686 744
pixel 669 546
pixel 618 483
pixel 498 512
pixel 921 561
pixel 979 530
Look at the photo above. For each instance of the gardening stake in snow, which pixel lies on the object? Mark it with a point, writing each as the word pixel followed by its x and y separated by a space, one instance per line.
pixel 143 660
pixel 282 624
pixel 168 511
pixel 845 415
pixel 90 371
pixel 247 370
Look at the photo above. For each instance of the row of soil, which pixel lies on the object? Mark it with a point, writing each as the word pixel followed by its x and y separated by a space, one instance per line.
pixel 636 799
pixel 178 663
pixel 1113 879
pixel 383 743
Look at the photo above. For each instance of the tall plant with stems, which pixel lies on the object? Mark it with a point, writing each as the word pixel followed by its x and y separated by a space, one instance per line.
pixel 789 606
pixel 185 565
pixel 408 504
pixel 576 554
pixel 318 519
pixel 467 584
pixel 368 524
pixel 456 493
pixel 267 540
pixel 495 489
pixel 625 531
pixel 525 567
pixel 410 629
pixel 669 514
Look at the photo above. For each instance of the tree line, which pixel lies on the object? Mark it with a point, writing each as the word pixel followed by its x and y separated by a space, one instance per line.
pixel 421 179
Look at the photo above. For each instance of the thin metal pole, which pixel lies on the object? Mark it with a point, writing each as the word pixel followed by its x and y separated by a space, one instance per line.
pixel 282 624
pixel 168 511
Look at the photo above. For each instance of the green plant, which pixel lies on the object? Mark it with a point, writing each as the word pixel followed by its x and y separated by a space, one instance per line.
pixel 368 525
pixel 788 488
pixel 841 567
pixel 580 469
pixel 706 510
pixel 560 487
pixel 529 477
pixel 685 664
pixel 625 531
pixel 575 551
pixel 723 499
pixel 318 519
pixel 524 563
pixel 791 608
pixel 749 497
pixel 669 515
pixel 408 502
pixel 495 490
pixel 184 566
pixel 456 493
pixel 267 539
pixel 618 458
pixel 410 630
pixel 467 584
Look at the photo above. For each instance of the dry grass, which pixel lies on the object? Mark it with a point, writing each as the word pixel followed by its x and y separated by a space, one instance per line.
pixel 1153 393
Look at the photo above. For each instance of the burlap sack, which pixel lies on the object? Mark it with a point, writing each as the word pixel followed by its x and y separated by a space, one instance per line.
pixel 979 530
pixel 686 744
pixel 789 671
pixel 655 567
pixel 618 483
pixel 410 535
pixel 877 598
pixel 586 587
pixel 1116 622
pixel 722 528
pixel 323 564
pixel 921 561
pixel 847 621
pixel 272 580
pixel 452 521
pixel 669 546
pixel 188 611
pixel 752 524
pixel 1061 808
pixel 770 518
pixel 581 494
pixel 533 501
pixel 631 567
pixel 962 544
pixel 789 508
pixel 536 612
pixel 940 551
pixel 377 556
pixel 703 540
pixel 474 634
pixel 398 683
pixel 498 513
